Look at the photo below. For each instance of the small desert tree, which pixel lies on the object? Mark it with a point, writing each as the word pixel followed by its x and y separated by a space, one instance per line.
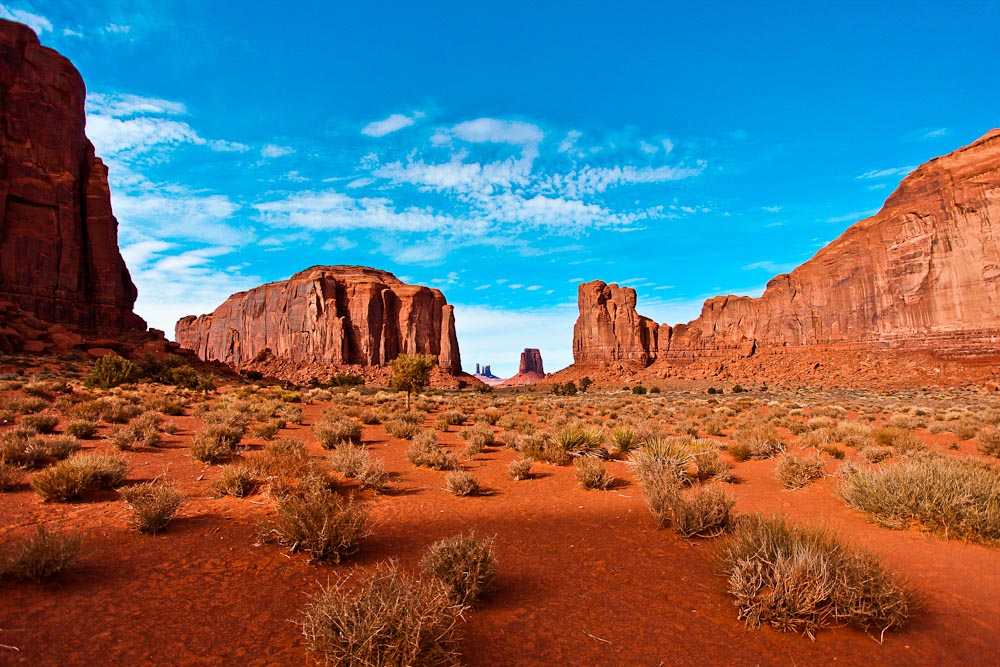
pixel 411 372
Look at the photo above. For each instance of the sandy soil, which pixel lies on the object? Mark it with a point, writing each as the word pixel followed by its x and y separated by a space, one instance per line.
pixel 586 578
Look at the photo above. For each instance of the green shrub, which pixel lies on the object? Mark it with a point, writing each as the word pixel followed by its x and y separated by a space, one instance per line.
pixel 801 579
pixel 623 440
pixel 40 556
pixel 153 505
pixel 958 498
pixel 466 566
pixel 110 371
pixel 62 482
pixel 386 619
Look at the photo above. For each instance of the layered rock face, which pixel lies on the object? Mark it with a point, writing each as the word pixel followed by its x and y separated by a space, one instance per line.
pixel 530 369
pixel 59 257
pixel 922 274
pixel 332 314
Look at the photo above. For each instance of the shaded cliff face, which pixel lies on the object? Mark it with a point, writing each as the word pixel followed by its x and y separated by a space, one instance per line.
pixel 922 274
pixel 59 256
pixel 331 314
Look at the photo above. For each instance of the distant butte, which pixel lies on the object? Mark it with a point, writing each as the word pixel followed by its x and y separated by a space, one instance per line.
pixel 530 370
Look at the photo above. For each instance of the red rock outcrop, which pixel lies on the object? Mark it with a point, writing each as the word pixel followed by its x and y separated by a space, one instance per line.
pixel 922 274
pixel 59 256
pixel 530 370
pixel 338 315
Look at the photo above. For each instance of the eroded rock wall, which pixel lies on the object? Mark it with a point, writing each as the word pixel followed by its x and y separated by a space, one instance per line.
pixel 921 274
pixel 332 314
pixel 59 256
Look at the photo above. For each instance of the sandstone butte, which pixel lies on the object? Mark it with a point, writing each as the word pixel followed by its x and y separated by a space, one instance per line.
pixel 922 275
pixel 530 370
pixel 336 315
pixel 59 256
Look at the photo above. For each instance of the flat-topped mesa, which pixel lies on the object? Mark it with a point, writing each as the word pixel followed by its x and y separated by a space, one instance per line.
pixel 921 274
pixel 332 314
pixel 59 257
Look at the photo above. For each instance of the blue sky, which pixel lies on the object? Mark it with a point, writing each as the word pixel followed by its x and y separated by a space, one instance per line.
pixel 505 152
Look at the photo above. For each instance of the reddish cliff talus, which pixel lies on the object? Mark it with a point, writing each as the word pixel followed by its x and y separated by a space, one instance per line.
pixel 922 274
pixel 59 256
pixel 332 314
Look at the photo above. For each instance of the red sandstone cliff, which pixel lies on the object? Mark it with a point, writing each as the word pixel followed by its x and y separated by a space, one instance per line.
pixel 330 314
pixel 59 257
pixel 922 274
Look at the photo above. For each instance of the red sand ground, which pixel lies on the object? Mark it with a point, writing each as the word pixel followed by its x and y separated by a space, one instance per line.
pixel 585 576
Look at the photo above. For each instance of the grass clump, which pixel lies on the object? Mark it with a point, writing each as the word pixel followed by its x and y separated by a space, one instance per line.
pixel 40 423
pixel 958 498
pixel 238 481
pixel 9 476
pixel 478 438
pixel 460 483
pixel 320 523
pixel 401 428
pixel 592 473
pixel 349 459
pixel 623 440
pixel 800 579
pixel 153 505
pixel 216 443
pixel 385 619
pixel 40 556
pixel 22 448
pixel 62 482
pixel 705 511
pixel 84 429
pixel 989 441
pixel 520 469
pixel 795 472
pixel 425 452
pixel 333 430
pixel 466 566
pixel 757 440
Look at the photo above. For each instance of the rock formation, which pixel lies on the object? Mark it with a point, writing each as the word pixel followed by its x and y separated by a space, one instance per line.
pixel 336 315
pixel 59 257
pixel 922 274
pixel 529 371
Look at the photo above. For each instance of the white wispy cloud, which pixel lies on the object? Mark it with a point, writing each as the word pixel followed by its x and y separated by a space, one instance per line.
pixel 36 22
pixel 331 210
pixel 770 266
pixel 494 130
pixel 771 209
pixel 854 216
pixel 271 151
pixel 589 180
pixel 885 173
pixel 174 282
pixel 380 128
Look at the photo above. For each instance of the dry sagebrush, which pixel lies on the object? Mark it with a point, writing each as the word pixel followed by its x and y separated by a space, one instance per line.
pixel 384 619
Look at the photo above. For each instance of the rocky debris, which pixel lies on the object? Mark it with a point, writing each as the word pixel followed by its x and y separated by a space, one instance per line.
pixel 59 256
pixel 332 315
pixel 530 370
pixel 921 275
